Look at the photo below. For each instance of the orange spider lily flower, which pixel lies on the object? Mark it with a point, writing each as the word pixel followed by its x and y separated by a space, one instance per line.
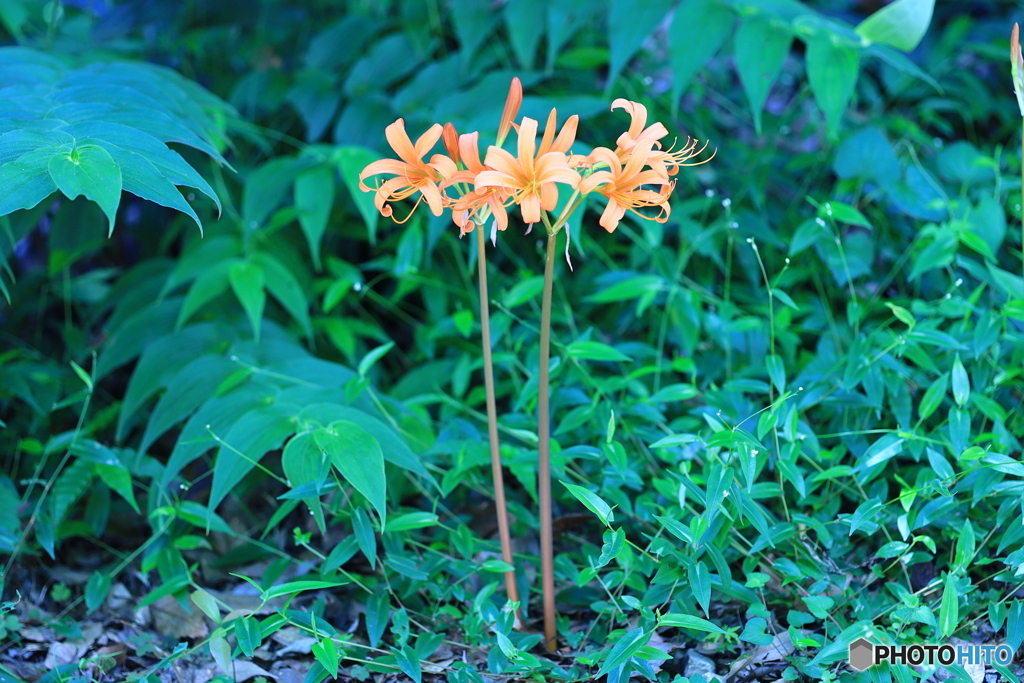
pixel 477 203
pixel 667 162
pixel 513 101
pixel 622 185
pixel 530 178
pixel 638 129
pixel 450 138
pixel 413 174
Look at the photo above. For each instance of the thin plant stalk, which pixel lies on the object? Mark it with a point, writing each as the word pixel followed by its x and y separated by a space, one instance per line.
pixel 501 507
pixel 1022 196
pixel 547 559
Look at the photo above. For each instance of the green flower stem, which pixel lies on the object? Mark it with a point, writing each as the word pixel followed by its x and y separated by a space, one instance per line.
pixel 501 508
pixel 547 563
pixel 1022 196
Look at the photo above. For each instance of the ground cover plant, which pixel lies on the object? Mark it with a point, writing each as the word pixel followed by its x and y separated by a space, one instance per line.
pixel 252 427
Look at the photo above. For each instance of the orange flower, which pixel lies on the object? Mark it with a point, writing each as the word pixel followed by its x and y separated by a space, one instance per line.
pixel 477 204
pixel 667 162
pixel 623 185
pixel 513 101
pixel 412 173
pixel 530 178
pixel 638 131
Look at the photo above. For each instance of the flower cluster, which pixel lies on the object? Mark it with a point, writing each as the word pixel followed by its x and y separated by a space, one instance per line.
pixel 636 174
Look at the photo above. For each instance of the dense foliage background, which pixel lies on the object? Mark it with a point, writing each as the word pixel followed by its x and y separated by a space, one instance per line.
pixel 795 407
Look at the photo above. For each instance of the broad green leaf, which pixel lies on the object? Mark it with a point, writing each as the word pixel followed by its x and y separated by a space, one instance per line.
pixel 687 621
pixel 524 30
pixel 933 396
pixel 314 198
pixel 351 161
pixel 296 587
pixel 69 487
pixel 961 384
pixel 901 24
pixel 326 652
pixel 371 358
pixel 123 143
pixel 564 19
pixel 248 281
pixel 867 155
pixel 267 187
pixel 96 589
pixel 117 477
pixel 89 171
pixel 473 22
pixel 249 634
pixel 629 23
pixel 189 389
pixel 285 287
pixel 365 536
pixel 378 608
pixel 209 285
pixel 207 253
pixel 412 520
pixel 832 70
pixel 888 446
pixel 700 584
pixel 628 289
pixel 591 350
pixel 250 438
pixel 623 649
pixel 699 28
pixel 207 603
pixel 316 95
pixel 303 461
pixel 592 502
pixel 27 180
pixel 965 544
pixel 140 177
pixel 1015 624
pixel 358 457
pixel 136 333
pixel 673 393
pixel 949 613
pixel 396 450
pixel 761 48
pixel 220 650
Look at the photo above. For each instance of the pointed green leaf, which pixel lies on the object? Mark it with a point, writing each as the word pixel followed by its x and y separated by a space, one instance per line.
pixel 285 287
pixel 623 649
pixel 832 70
pixel 901 24
pixel 314 198
pixel 762 46
pixel 629 23
pixel 89 171
pixel 250 438
pixel 949 612
pixel 359 459
pixel 27 181
pixel 961 383
pixel 96 589
pixel 351 161
pixel 248 281
pixel 699 28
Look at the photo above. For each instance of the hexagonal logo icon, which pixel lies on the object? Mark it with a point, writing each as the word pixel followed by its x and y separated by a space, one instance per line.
pixel 862 654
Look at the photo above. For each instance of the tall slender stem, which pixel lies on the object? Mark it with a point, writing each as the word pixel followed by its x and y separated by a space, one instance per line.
pixel 1022 196
pixel 547 558
pixel 500 505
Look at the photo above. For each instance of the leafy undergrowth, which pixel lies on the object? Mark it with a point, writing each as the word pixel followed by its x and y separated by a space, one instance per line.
pixel 787 418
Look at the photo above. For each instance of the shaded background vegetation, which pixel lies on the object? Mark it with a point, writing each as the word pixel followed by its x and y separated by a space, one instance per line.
pixel 804 401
